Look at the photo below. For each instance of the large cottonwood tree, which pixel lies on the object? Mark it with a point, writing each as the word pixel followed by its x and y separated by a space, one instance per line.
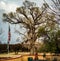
pixel 31 17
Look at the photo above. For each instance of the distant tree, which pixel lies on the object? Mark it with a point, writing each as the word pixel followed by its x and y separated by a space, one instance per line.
pixel 16 49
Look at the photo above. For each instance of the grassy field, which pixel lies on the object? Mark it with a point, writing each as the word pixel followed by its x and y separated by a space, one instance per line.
pixel 23 56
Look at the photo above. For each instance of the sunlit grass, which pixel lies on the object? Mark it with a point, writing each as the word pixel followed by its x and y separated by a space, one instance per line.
pixel 23 56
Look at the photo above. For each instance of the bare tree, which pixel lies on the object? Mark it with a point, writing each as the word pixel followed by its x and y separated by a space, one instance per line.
pixel 31 17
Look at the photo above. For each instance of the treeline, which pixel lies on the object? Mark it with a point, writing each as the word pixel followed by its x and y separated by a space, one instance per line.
pixel 13 48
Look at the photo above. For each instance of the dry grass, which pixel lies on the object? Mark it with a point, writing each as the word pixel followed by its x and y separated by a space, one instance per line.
pixel 9 55
pixel 23 56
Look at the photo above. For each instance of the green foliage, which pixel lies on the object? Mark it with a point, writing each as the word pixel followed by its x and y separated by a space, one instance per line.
pixel 52 44
pixel 51 35
pixel 58 33
pixel 48 47
pixel 41 31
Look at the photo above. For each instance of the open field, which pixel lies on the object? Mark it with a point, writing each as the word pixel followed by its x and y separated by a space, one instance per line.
pixel 23 56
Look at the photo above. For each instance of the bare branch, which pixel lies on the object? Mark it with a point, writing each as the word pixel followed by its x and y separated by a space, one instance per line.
pixel 40 15
pixel 20 33
pixel 31 12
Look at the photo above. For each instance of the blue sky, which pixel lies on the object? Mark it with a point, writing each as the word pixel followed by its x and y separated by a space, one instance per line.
pixel 8 6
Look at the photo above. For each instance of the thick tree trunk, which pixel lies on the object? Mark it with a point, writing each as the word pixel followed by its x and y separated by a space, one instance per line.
pixel 33 49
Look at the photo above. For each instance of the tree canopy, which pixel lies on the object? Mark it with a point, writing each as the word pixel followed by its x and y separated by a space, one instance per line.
pixel 37 21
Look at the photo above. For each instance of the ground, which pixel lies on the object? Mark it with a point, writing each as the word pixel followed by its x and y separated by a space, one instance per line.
pixel 23 56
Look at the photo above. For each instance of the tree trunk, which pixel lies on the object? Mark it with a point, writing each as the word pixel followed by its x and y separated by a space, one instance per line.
pixel 33 49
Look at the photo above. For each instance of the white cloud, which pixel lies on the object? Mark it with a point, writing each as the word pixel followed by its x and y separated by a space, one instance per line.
pixel 8 7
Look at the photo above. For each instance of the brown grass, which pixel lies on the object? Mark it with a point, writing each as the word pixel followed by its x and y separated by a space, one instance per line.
pixel 23 56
